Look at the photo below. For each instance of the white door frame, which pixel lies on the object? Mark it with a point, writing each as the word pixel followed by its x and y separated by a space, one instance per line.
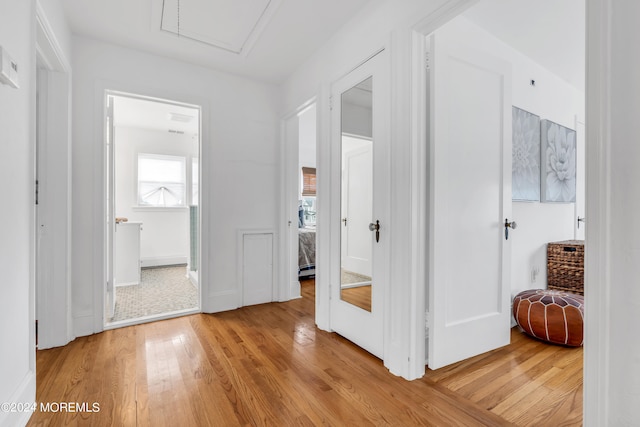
pixel 597 280
pixel 53 220
pixel 107 272
pixel 289 285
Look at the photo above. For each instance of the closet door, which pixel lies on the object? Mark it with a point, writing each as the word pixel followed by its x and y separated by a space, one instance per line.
pixel 360 203
pixel 470 201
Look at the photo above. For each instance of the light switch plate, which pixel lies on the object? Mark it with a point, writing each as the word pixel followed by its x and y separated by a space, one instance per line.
pixel 8 69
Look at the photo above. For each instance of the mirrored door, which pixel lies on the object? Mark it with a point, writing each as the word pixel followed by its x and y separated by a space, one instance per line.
pixel 360 203
pixel 357 194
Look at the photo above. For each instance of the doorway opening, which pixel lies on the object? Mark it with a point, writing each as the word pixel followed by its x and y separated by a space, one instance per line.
pixel 540 91
pixel 306 194
pixel 153 220
pixel 300 201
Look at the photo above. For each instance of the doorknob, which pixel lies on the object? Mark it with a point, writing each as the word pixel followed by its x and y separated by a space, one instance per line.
pixel 345 221
pixel 508 225
pixel 581 219
pixel 375 227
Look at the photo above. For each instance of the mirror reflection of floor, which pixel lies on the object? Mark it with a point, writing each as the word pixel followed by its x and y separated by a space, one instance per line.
pixel 356 289
pixel 360 296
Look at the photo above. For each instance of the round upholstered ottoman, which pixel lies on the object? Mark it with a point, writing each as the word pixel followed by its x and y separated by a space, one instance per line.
pixel 553 316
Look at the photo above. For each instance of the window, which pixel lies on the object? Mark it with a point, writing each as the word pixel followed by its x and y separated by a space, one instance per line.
pixel 308 181
pixel 308 212
pixel 161 180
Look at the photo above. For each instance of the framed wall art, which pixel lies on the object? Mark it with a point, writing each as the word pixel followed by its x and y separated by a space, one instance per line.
pixel 525 166
pixel 558 171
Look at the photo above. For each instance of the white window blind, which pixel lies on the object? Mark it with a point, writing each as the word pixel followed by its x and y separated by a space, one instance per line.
pixel 161 180
pixel 308 181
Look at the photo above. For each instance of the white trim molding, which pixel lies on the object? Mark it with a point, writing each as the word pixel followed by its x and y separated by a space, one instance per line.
pixel 598 204
pixel 25 394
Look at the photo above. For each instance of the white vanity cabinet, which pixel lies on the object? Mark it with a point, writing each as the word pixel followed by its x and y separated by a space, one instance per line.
pixel 127 253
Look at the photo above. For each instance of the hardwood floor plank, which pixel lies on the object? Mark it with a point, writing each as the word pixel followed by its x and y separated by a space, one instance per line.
pixel 268 365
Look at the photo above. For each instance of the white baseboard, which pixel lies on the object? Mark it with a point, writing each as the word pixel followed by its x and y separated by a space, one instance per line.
pixel 221 301
pixel 160 261
pixel 355 285
pixel 193 277
pixel 294 290
pixel 25 393
pixel 127 284
pixel 83 325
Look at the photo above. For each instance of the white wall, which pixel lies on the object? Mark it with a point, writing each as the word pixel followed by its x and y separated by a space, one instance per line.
pixel 239 164
pixel 355 42
pixel 356 120
pixel 17 357
pixel 165 232
pixel 551 98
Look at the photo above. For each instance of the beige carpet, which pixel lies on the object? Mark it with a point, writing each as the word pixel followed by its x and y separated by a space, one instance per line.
pixel 161 290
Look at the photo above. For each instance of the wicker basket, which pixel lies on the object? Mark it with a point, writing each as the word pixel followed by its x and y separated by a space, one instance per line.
pixel 565 266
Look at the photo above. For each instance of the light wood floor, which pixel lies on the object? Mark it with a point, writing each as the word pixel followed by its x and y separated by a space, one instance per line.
pixel 269 365
pixel 360 296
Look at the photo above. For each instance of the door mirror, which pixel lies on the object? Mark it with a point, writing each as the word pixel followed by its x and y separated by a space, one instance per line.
pixel 356 238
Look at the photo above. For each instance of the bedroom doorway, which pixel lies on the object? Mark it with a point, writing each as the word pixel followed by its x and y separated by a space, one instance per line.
pixel 307 201
pixel 300 200
pixel 153 180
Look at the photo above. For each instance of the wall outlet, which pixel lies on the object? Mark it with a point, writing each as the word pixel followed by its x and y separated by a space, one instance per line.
pixel 535 272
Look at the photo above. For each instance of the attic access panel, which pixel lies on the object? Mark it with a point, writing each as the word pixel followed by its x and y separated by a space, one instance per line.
pixel 231 25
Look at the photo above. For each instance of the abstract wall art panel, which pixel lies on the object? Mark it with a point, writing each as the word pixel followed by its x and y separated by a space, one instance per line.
pixel 558 172
pixel 525 155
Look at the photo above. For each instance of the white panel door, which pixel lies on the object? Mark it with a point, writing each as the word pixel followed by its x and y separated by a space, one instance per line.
pixel 366 90
pixel 469 289
pixel 357 181
pixel 257 268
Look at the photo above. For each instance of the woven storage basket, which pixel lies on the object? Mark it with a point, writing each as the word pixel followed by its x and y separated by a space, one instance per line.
pixel 565 266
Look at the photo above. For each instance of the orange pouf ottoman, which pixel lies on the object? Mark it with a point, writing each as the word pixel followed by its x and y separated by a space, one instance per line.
pixel 553 316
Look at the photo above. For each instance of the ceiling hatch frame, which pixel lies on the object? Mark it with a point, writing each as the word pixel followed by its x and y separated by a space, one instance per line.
pixel 182 12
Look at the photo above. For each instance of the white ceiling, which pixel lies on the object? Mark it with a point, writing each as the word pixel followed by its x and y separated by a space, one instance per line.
pixel 268 39
pixel 227 24
pixel 274 37
pixel 550 32
pixel 154 115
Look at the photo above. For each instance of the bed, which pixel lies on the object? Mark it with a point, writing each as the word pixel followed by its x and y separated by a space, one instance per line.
pixel 306 252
